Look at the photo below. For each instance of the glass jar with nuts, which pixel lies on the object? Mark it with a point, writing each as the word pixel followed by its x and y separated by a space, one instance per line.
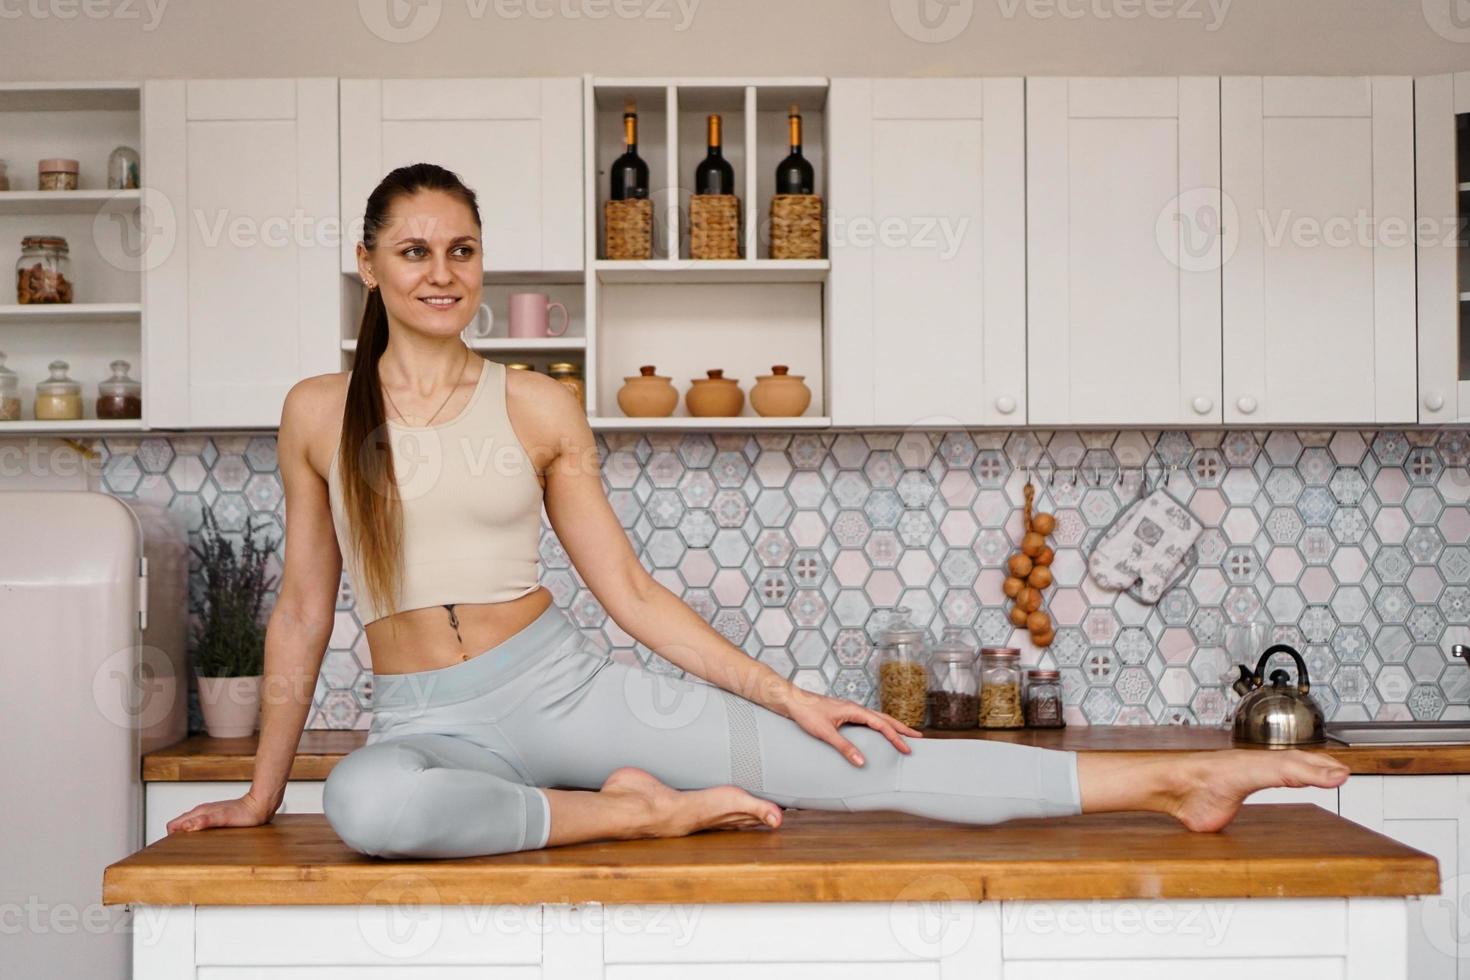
pixel 903 685
pixel 41 273
pixel 1000 688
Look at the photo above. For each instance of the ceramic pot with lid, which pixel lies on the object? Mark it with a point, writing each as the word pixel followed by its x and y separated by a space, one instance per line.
pixel 1280 715
pixel 647 394
pixel 779 393
pixel 715 396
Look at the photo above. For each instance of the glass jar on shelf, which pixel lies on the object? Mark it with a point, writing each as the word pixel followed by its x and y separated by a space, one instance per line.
pixel 569 374
pixel 1000 688
pixel 903 670
pixel 4 176
pixel 58 174
pixel 9 393
pixel 122 169
pixel 119 397
pixel 58 397
pixel 1044 699
pixel 954 698
pixel 42 272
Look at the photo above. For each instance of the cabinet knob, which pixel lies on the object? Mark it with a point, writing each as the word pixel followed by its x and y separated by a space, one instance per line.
pixel 1202 405
pixel 1434 401
pixel 1005 404
pixel 1247 405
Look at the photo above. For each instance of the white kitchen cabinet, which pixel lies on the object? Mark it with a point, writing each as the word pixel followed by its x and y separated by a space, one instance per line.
pixel 1318 177
pixel 1432 814
pixel 1442 125
pixel 1123 281
pixel 242 297
pixel 516 142
pixel 164 799
pixel 927 231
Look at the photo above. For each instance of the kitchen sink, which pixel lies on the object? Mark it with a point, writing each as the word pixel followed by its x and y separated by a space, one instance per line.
pixel 1399 732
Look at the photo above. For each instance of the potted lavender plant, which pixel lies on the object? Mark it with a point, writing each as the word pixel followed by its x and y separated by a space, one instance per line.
pixel 229 641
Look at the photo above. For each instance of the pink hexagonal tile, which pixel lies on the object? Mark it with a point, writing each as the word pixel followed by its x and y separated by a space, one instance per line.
pixel 1391 525
pixel 958 488
pixel 958 528
pixel 730 587
pixel 1391 485
pixel 883 587
pixel 1317 584
pixel 1177 645
pixel 807 528
pixel 1067 606
pixel 1284 564
pixel 850 568
pixel 916 567
pixel 773 626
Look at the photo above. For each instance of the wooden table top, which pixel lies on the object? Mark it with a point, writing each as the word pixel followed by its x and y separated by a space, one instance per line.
pixel 203 758
pixel 1276 850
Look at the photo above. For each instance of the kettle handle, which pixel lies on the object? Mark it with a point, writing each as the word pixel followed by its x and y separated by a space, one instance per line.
pixel 1303 682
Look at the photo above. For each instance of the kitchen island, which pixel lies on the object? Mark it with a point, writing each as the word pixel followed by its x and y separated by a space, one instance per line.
pixel 1284 890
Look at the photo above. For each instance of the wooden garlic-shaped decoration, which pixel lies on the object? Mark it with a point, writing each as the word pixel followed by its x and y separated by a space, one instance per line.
pixel 1029 573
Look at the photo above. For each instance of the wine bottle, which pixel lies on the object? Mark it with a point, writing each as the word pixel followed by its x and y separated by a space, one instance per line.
pixel 714 175
pixel 794 175
pixel 629 172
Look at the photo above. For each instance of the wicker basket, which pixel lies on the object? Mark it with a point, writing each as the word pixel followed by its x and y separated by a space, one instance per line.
pixel 628 226
pixel 796 226
pixel 714 226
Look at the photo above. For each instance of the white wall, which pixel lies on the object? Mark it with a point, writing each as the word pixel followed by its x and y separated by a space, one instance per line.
pixel 91 39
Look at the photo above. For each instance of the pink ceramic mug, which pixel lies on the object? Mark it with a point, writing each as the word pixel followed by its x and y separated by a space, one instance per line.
pixel 530 315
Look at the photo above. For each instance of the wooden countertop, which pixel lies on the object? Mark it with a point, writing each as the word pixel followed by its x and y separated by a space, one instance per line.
pixel 1276 850
pixel 204 758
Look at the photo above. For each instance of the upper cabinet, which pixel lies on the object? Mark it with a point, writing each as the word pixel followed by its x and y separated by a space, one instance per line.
pixel 927 238
pixel 517 142
pixel 1319 320
pixel 1442 131
pixel 1123 278
pixel 241 292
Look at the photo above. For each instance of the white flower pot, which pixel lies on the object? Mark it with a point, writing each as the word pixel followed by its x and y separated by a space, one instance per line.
pixel 231 705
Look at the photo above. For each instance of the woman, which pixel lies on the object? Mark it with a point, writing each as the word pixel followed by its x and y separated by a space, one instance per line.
pixel 496 726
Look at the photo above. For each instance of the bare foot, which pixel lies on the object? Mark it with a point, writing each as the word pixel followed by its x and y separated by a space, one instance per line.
pixel 1212 785
pixel 676 813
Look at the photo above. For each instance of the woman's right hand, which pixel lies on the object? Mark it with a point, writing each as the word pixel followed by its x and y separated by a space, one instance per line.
pixel 247 811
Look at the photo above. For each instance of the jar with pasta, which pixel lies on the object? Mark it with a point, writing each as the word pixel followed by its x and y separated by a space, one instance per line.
pixel 903 656
pixel 1000 688
pixel 954 691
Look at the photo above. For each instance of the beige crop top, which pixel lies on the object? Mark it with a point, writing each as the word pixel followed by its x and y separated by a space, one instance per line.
pixel 471 507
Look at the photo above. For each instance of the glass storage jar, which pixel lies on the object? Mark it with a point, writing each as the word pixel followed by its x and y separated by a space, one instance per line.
pixel 4 177
pixel 570 375
pixel 902 670
pixel 1000 688
pixel 58 174
pixel 1044 699
pixel 954 698
pixel 9 393
pixel 119 397
pixel 42 271
pixel 58 397
pixel 122 169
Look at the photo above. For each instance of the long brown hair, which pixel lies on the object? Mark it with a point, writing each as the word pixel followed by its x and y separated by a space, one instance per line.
pixel 369 487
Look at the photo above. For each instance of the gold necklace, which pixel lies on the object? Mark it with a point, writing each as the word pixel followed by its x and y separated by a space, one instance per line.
pixel 452 388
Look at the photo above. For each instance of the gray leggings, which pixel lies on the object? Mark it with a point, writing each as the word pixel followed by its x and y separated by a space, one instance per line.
pixel 456 757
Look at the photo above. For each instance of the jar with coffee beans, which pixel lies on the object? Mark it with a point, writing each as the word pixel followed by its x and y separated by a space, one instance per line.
pixel 954 690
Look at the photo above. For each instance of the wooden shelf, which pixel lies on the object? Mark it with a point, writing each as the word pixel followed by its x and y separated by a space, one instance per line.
pixel 713 271
pixel 695 424
pixel 512 344
pixel 70 426
pixel 62 202
pixel 87 312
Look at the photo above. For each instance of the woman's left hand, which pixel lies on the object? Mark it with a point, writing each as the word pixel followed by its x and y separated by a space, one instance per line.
pixel 819 716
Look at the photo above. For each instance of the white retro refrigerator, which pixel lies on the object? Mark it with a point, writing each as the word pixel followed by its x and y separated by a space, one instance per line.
pixel 93 672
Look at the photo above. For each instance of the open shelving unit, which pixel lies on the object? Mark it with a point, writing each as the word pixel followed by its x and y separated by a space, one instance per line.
pixel 84 121
pixel 686 316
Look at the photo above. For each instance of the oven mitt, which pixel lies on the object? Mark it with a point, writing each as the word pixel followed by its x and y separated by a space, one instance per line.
pixel 1145 546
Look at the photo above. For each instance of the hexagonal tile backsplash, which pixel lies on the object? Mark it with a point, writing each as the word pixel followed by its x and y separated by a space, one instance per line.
pixel 1354 545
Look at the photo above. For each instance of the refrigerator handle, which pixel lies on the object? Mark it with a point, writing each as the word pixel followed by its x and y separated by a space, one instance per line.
pixel 142 593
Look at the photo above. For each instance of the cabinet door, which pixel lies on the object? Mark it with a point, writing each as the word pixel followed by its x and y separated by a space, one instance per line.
pixel 242 297
pixel 927 225
pixel 1442 123
pixel 1319 293
pixel 1123 246
pixel 1430 814
pixel 516 142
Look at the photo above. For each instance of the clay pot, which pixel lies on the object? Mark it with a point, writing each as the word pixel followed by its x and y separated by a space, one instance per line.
pixel 647 395
pixel 779 393
pixel 714 396
pixel 231 705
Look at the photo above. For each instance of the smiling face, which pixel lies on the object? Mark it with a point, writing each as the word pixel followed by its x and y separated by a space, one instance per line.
pixel 427 264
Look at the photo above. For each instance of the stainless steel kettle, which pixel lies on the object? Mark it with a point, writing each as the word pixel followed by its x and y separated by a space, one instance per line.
pixel 1280 714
